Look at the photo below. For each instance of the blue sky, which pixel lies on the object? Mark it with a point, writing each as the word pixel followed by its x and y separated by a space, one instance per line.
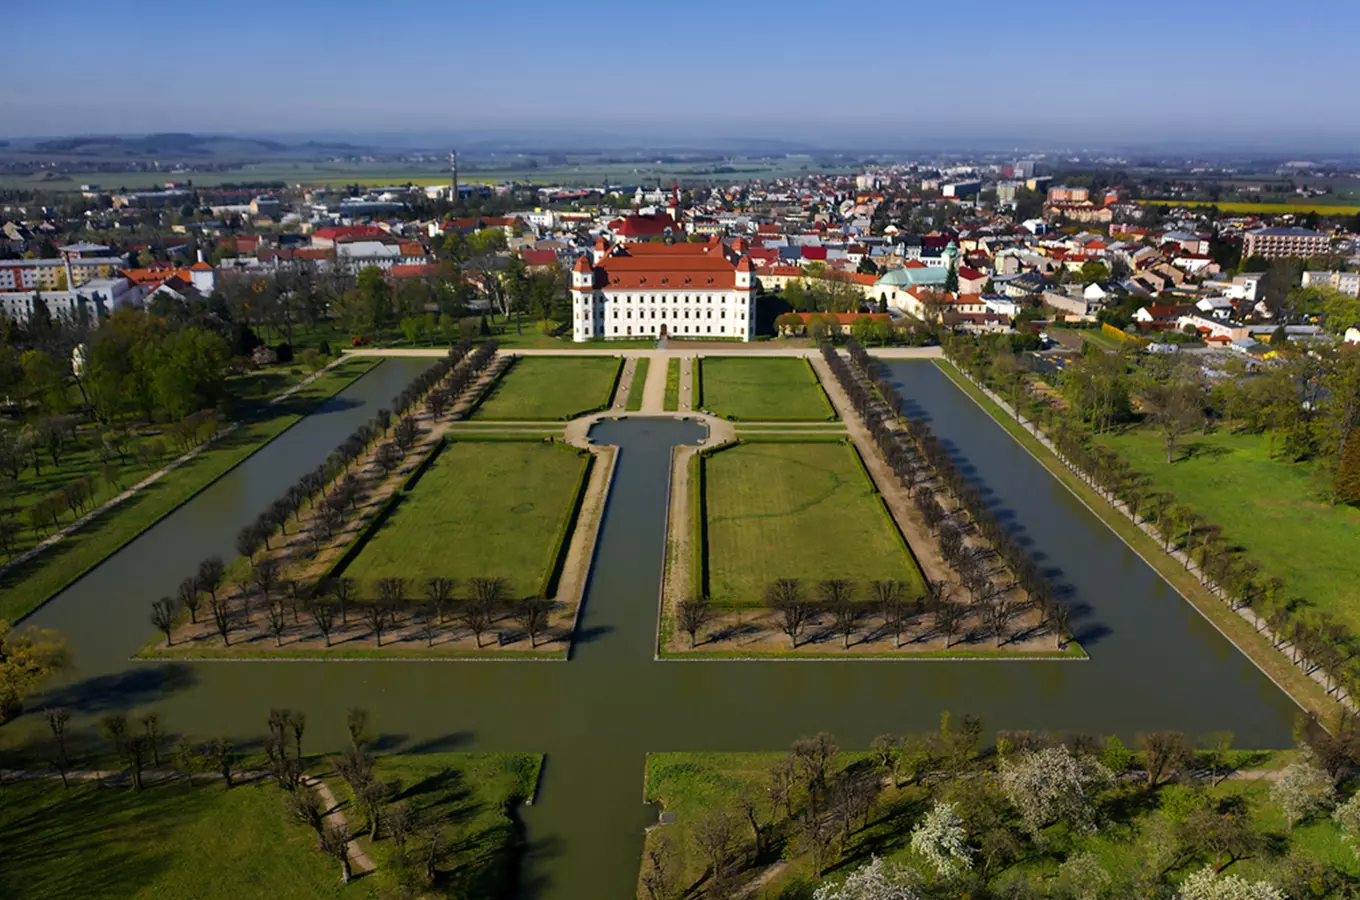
pixel 1239 73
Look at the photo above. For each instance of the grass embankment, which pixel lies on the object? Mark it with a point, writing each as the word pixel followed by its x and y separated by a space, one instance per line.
pixel 551 388
pixel 794 510
pixel 691 785
pixel 181 839
pixel 671 402
pixel 482 509
pixel 639 385
pixel 1271 509
pixel 763 390
pixel 26 587
pixel 1307 692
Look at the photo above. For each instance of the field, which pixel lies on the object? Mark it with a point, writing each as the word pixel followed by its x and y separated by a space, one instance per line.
pixel 551 388
pixel 585 172
pixel 482 509
pixel 27 586
pixel 639 385
pixel 794 510
pixel 199 840
pixel 762 390
pixel 1325 209
pixel 691 785
pixel 1276 511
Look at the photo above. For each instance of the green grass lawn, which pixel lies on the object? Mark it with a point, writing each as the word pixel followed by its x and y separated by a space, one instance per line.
pixel 762 390
pixel 671 403
pixel 551 388
pixel 199 840
pixel 690 785
pixel 171 840
pixel 26 587
pixel 482 509
pixel 795 510
pixel 1273 509
pixel 639 385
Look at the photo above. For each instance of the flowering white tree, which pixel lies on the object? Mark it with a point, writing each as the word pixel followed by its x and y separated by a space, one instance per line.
pixel 875 881
pixel 1303 789
pixel 1347 815
pixel 1053 784
pixel 1205 885
pixel 940 837
pixel 1082 877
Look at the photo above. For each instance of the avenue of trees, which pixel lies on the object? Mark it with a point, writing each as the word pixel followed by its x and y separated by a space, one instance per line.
pixel 1021 818
pixel 333 492
pixel 1307 405
pixel 990 562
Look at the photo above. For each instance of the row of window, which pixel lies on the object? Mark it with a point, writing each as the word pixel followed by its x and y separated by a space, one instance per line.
pixel 654 330
pixel 703 298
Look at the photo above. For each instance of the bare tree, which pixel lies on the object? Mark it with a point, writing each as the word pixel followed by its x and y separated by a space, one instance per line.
pixel 846 615
pixel 376 614
pixel 785 597
pixel 439 591
pixel 57 717
pixel 323 614
pixel 222 754
pixel 714 834
pixel 948 621
pixel 335 844
pixel 188 597
pixel 221 617
pixel 692 615
pixel 163 617
pixel 477 611
pixel 658 868
pixel 278 621
pixel 151 725
pixel 1164 752
pixel 532 615
pixel 891 599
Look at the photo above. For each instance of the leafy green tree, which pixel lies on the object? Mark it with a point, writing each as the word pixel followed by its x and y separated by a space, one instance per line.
pixel 1347 482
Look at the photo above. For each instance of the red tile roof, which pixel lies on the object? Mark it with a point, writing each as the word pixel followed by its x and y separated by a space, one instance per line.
pixel 155 275
pixel 420 270
pixel 538 257
pixel 347 232
pixel 639 225
pixel 685 266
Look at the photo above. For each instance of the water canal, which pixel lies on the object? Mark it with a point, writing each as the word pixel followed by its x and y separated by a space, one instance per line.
pixel 1155 663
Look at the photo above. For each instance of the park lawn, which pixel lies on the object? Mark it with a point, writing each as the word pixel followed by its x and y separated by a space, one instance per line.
pixel 762 390
pixel 173 839
pixel 26 587
pixel 482 509
pixel 671 403
pixel 1274 510
pixel 1229 206
pixel 551 388
pixel 639 385
pixel 795 510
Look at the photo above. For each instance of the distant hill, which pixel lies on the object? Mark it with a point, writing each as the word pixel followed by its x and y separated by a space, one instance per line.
pixel 177 145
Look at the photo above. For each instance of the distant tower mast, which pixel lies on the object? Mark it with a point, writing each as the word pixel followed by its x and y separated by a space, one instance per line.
pixel 453 169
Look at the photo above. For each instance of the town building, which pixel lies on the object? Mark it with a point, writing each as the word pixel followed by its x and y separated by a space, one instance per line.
pixel 1347 283
pixel 1280 243
pixel 664 289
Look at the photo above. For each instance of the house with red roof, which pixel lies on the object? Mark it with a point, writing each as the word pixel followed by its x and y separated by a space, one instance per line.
pixel 632 288
pixel 326 238
pixel 971 281
pixel 644 227
pixel 538 260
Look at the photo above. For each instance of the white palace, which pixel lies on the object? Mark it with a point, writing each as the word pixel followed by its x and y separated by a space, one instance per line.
pixel 659 289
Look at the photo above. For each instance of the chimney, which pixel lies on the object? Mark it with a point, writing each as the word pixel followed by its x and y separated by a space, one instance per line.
pixel 200 255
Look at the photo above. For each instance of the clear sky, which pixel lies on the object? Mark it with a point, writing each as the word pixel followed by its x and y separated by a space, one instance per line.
pixel 1226 72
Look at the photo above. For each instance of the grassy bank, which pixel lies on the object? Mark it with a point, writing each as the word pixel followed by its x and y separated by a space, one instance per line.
pixel 763 390
pixel 1257 647
pixel 551 388
pixel 639 385
pixel 26 587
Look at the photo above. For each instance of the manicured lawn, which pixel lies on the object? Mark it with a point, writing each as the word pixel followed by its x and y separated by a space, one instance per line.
pixel 551 388
pixel 26 587
pixel 482 509
pixel 762 390
pixel 795 510
pixel 1275 510
pixel 171 840
pixel 672 400
pixel 639 385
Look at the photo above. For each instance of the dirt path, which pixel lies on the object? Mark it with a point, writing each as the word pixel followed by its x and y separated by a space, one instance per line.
pixel 625 385
pixel 359 859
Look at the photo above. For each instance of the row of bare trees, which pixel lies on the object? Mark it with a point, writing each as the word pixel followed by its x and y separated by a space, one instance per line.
pixel 332 490
pixel 991 566
pixel 1314 640
pixel 338 604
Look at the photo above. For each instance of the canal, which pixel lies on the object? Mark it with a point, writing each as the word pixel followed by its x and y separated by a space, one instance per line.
pixel 1155 664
